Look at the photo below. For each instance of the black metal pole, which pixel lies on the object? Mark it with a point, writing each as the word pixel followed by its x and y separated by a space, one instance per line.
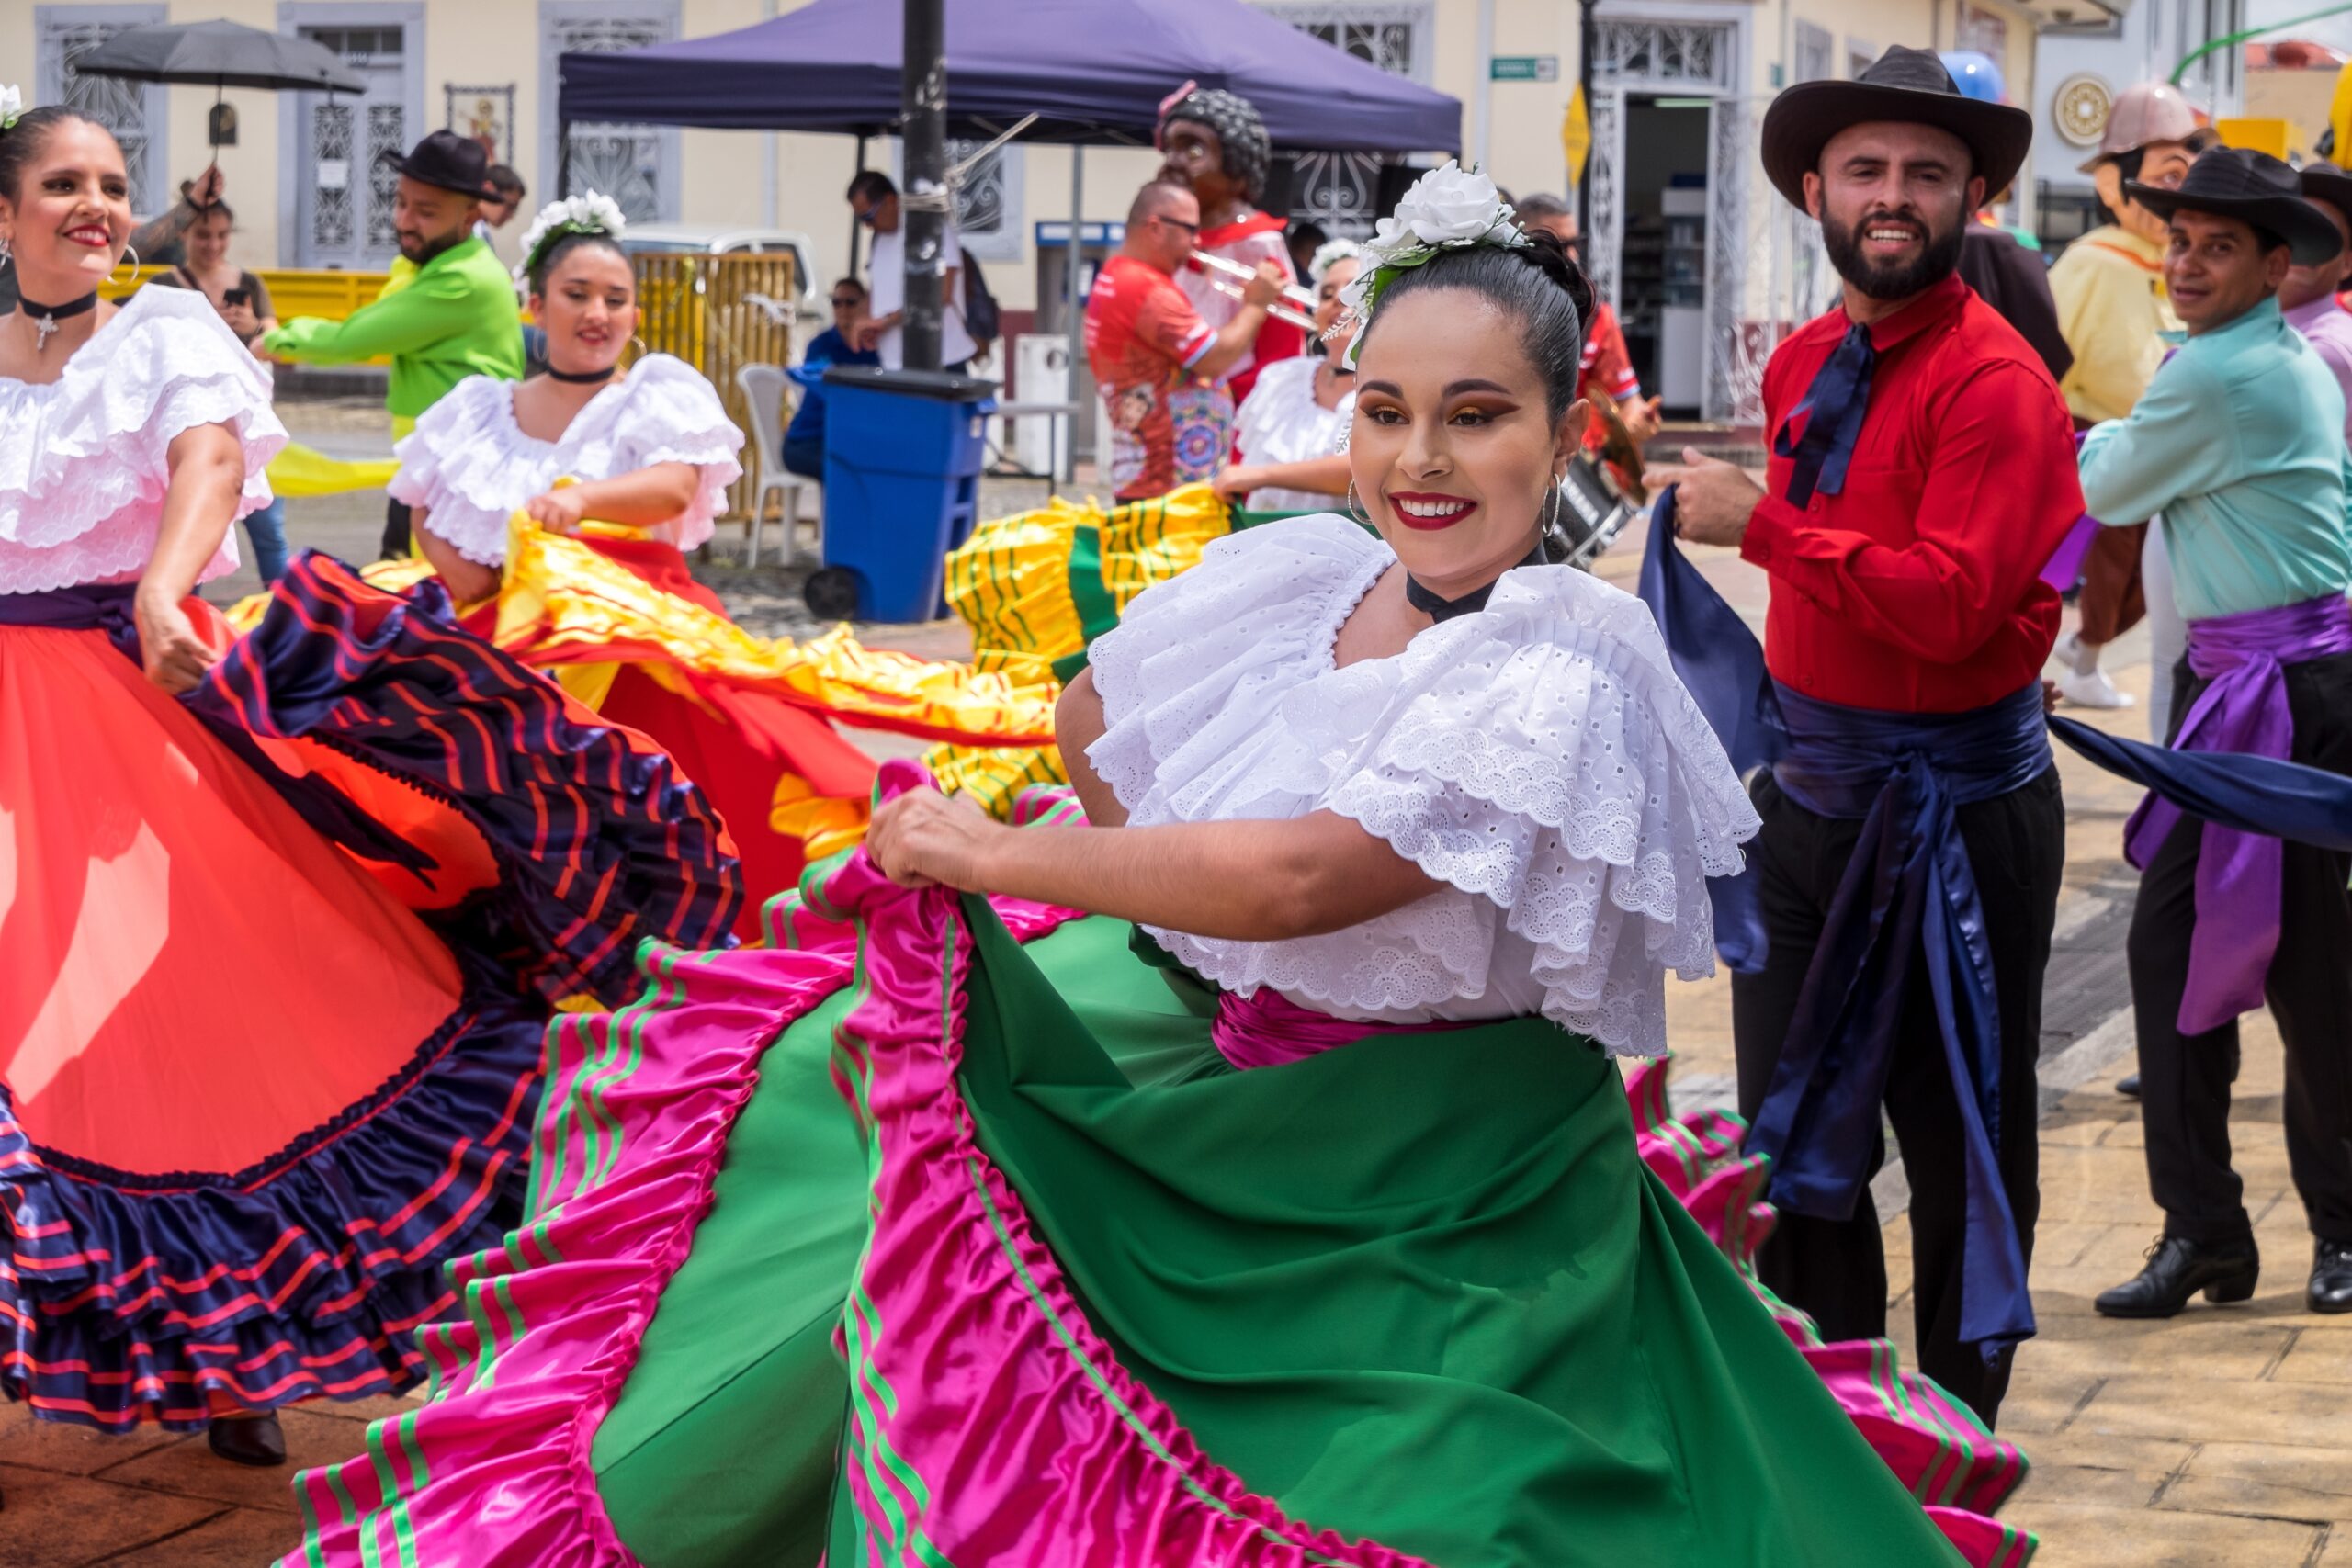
pixel 922 208
pixel 562 159
pixel 856 235
pixel 1588 39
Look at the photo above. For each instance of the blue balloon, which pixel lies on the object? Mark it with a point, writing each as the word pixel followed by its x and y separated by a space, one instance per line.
pixel 1978 77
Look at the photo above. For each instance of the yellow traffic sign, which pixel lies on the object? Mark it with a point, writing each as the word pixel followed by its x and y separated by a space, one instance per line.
pixel 1576 134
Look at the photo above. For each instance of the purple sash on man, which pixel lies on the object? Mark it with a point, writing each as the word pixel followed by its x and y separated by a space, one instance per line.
pixel 2244 711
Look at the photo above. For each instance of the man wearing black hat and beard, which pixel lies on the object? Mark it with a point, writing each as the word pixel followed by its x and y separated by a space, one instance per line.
pixel 448 313
pixel 2238 444
pixel 1907 874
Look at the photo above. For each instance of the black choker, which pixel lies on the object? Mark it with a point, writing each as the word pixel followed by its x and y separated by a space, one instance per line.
pixel 45 318
pixel 1442 609
pixel 590 379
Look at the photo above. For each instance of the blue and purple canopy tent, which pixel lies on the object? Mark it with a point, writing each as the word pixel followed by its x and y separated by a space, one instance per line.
pixel 1092 71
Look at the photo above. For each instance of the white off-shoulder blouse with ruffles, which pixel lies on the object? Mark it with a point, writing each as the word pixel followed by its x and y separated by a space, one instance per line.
pixel 1538 757
pixel 471 465
pixel 84 460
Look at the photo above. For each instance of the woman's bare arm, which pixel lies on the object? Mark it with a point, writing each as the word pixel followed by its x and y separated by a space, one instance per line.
pixel 469 582
pixel 1238 880
pixel 1077 723
pixel 207 468
pixel 642 498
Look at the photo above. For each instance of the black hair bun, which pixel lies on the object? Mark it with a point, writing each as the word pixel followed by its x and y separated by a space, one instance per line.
pixel 1544 249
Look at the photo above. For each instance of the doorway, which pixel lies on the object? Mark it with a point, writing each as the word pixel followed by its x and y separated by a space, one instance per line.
pixel 343 204
pixel 1662 273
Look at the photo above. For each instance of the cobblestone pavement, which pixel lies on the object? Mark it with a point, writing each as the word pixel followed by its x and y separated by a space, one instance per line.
pixel 2224 1437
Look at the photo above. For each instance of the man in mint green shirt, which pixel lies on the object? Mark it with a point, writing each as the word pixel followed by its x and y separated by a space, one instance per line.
pixel 2239 443
pixel 451 318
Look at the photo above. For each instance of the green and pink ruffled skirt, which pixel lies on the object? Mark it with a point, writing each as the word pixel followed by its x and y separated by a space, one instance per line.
pixel 956 1243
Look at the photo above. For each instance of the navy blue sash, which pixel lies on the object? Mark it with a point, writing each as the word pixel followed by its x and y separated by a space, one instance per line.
pixel 1813 1130
pixel 1909 889
pixel 1722 663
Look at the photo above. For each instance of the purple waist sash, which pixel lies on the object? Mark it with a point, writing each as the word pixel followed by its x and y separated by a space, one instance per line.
pixel 1267 1029
pixel 87 607
pixel 2238 874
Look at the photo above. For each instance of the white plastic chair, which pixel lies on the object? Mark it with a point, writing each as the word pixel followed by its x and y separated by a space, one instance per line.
pixel 763 388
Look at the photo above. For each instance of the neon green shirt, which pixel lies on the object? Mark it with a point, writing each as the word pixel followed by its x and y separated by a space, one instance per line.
pixel 454 318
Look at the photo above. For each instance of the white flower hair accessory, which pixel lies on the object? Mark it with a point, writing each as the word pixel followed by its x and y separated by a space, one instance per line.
pixel 12 106
pixel 1329 254
pixel 1449 209
pixel 588 213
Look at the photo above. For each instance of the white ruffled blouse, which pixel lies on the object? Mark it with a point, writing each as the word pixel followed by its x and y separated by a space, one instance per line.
pixel 471 465
pixel 85 459
pixel 1280 422
pixel 1539 757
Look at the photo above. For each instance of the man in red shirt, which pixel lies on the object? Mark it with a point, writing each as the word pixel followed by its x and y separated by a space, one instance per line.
pixel 1907 872
pixel 1608 377
pixel 1166 420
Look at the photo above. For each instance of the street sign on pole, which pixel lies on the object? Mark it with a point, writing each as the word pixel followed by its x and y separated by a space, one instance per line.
pixel 1523 68
pixel 1575 135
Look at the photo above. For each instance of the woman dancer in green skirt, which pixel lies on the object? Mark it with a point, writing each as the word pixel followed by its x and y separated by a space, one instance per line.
pixel 1307 1227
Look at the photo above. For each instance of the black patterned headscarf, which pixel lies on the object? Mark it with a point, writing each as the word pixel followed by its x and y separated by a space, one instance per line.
pixel 1248 154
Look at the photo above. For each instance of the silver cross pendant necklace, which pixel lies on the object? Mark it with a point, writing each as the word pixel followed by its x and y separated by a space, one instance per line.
pixel 46 317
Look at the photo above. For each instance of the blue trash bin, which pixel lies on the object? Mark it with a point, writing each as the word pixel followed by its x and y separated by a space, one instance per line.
pixel 903 454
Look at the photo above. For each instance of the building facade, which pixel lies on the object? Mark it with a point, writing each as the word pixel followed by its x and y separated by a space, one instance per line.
pixel 1707 266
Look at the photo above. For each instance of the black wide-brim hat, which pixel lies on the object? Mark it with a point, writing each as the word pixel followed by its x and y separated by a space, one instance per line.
pixel 448 161
pixel 2255 188
pixel 1908 85
pixel 2329 185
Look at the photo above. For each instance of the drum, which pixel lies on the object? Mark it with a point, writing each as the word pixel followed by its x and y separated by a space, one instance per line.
pixel 1592 511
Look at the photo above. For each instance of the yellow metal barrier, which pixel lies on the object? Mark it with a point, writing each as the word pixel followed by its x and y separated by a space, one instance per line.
pixel 292 292
pixel 700 308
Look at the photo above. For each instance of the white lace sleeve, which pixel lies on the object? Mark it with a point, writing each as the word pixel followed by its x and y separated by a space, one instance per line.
pixel 672 415
pixel 464 463
pixel 1194 668
pixel 1539 758
pixel 84 461
pixel 1550 763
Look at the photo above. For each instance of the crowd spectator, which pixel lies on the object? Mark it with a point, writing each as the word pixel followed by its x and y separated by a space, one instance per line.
pixel 499 209
pixel 874 199
pixel 243 300
pixel 1157 362
pixel 1608 376
pixel 804 441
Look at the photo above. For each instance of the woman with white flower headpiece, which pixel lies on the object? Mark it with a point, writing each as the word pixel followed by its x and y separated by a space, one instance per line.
pixel 283 917
pixel 557 509
pixel 1283 1209
pixel 1287 433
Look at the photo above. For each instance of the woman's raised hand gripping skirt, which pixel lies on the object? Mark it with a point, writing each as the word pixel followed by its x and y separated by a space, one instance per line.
pixel 948 1236
pixel 275 962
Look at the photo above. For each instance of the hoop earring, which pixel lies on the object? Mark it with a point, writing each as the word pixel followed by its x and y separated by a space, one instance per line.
pixel 132 252
pixel 638 343
pixel 1355 509
pixel 6 254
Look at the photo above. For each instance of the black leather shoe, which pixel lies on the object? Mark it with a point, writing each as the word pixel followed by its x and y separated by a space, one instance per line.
pixel 247 1440
pixel 2331 1286
pixel 2177 1269
pixel 2129 1087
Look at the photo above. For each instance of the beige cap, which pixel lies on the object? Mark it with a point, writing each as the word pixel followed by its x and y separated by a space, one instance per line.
pixel 2143 115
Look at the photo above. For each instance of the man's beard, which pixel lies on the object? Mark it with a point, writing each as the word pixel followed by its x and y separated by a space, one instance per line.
pixel 430 246
pixel 1936 262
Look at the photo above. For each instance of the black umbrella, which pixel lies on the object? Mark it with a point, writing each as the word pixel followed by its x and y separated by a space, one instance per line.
pixel 220 55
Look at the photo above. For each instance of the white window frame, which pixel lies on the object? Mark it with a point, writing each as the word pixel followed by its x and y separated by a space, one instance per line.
pixel 293 15
pixel 48 87
pixel 671 166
